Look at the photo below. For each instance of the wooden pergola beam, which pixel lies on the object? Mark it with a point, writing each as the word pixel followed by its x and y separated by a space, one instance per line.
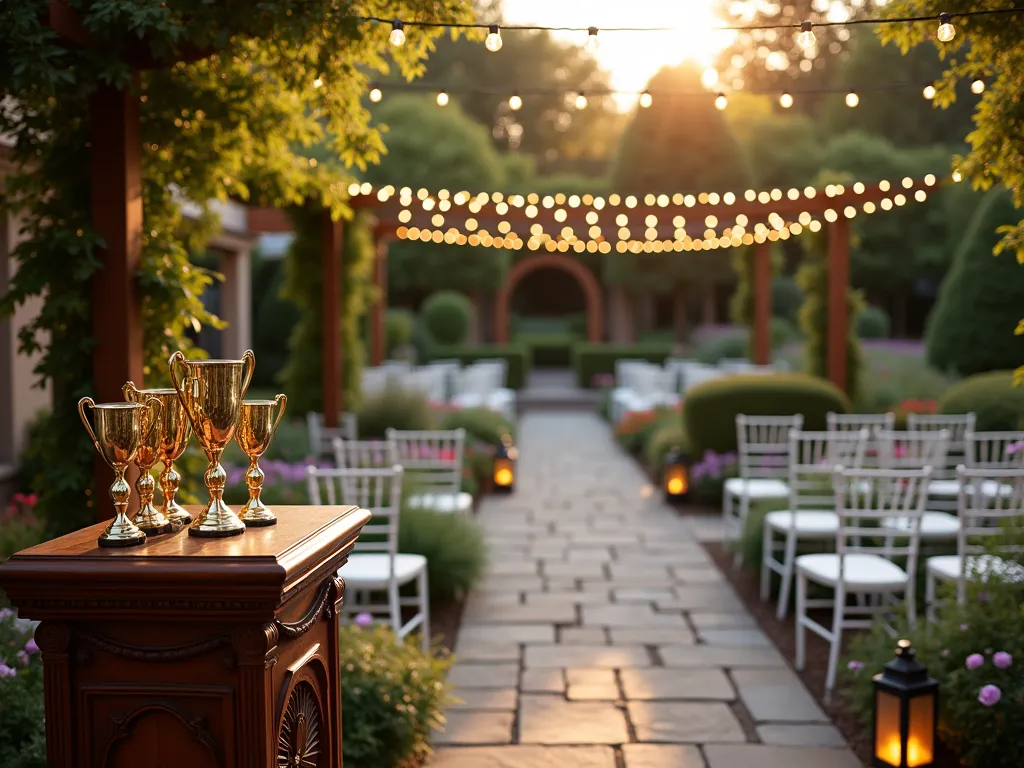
pixel 331 256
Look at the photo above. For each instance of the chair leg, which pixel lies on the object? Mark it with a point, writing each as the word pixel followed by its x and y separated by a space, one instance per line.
pixel 838 610
pixel 424 607
pixel 768 539
pixel 788 564
pixel 727 526
pixel 801 614
pixel 911 602
pixel 741 523
pixel 395 609
pixel 929 598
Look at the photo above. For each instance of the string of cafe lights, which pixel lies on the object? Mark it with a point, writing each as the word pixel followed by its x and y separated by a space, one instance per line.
pixel 464 227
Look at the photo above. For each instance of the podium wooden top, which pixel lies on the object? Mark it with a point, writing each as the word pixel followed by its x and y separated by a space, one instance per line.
pixel 246 576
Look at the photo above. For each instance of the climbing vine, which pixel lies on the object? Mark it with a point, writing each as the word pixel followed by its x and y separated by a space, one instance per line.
pixel 237 120
pixel 741 305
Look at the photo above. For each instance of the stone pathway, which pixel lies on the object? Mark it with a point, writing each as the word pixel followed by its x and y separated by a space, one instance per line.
pixel 604 637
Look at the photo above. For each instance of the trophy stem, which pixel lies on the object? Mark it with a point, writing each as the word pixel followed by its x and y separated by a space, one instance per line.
pixel 172 510
pixel 216 520
pixel 254 513
pixel 149 518
pixel 121 532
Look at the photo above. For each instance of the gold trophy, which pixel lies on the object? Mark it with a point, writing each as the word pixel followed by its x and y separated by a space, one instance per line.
pixel 167 445
pixel 211 392
pixel 118 435
pixel 255 431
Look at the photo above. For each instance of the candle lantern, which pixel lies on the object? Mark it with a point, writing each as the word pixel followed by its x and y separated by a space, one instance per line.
pixel 906 713
pixel 505 465
pixel 676 475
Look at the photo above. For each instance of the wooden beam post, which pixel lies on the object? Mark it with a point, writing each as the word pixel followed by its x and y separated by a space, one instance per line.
pixel 762 289
pixel 838 283
pixel 331 354
pixel 378 320
pixel 116 197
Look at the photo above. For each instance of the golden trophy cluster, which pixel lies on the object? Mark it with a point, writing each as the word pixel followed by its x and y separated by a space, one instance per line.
pixel 154 426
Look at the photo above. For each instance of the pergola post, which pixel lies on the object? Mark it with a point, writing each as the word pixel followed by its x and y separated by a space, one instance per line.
pixel 116 195
pixel 378 320
pixel 762 289
pixel 331 257
pixel 838 283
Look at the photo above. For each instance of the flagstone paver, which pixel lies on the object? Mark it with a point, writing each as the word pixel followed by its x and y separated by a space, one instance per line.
pixel 603 636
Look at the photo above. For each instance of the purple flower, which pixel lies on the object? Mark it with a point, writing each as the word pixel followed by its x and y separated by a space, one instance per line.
pixel 6 671
pixel 990 695
pixel 22 658
pixel 1002 660
pixel 975 660
pixel 963 627
pixel 945 652
pixel 31 647
pixel 1013 448
pixel 364 619
pixel 855 666
pixel 5 613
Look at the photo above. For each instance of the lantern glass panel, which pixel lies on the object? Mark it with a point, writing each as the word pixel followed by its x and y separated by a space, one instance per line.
pixel 503 474
pixel 920 734
pixel 888 743
pixel 676 481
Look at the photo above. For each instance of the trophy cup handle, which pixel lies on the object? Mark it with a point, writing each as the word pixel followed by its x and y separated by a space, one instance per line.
pixel 178 385
pixel 156 412
pixel 88 401
pixel 281 401
pixel 250 358
pixel 130 392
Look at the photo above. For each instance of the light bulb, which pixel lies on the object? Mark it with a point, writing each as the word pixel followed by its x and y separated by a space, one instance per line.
pixel 946 30
pixel 929 92
pixel 581 100
pixel 318 83
pixel 646 99
pixel 592 43
pixel 957 176
pixel 978 86
pixel 806 38
pixel 375 95
pixel 397 32
pixel 852 99
pixel 515 103
pixel 493 41
pixel 786 100
pixel 442 99
pixel 720 101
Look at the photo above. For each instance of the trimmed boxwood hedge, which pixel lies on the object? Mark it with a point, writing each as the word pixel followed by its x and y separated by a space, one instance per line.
pixel 516 355
pixel 998 404
pixel 710 410
pixel 589 359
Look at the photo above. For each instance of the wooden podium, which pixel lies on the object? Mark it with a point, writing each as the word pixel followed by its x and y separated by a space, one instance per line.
pixel 192 653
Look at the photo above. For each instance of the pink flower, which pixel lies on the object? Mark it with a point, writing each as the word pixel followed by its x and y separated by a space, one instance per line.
pixel 855 666
pixel 22 658
pixel 18 498
pixel 31 500
pixel 1012 448
pixel 6 671
pixel 990 695
pixel 31 647
pixel 364 619
pixel 975 660
pixel 1002 659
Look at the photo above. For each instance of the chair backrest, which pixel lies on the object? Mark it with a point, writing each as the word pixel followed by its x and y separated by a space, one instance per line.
pixel 854 422
pixel 377 490
pixel 449 370
pixel 429 382
pixel 813 457
pixel 958 426
pixel 321 438
pixel 624 369
pixel 763 443
pixel 880 513
pixel 995 450
pixel 363 454
pixel 911 450
pixel 373 381
pixel 698 375
pixel 990 504
pixel 432 459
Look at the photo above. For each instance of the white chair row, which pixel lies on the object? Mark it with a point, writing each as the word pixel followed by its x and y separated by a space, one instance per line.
pixel 321 437
pixel 483 384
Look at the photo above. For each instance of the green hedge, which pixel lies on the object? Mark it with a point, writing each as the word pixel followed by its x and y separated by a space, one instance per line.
pixel 998 404
pixel 553 350
pixel 516 355
pixel 711 408
pixel 589 359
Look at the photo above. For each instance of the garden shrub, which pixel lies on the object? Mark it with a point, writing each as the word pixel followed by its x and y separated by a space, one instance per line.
pixel 989 628
pixel 453 545
pixel 667 435
pixel 712 407
pixel 392 697
pixel 480 424
pixel 589 359
pixel 708 476
pixel 22 735
pixel 552 350
pixel 446 316
pixel 399 327
pixel 999 405
pixel 393 407
pixel 516 356
pixel 786 298
pixel 735 345
pixel 873 323
pixel 19 526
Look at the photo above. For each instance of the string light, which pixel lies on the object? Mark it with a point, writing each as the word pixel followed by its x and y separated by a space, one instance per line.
pixel 397 33
pixel 646 99
pixel 786 100
pixel 978 86
pixel 442 99
pixel 957 177
pixel 581 100
pixel 375 95
pixel 929 91
pixel 493 40
pixel 592 43
pixel 318 83
pixel 515 102
pixel 721 102
pixel 806 38
pixel 946 30
pixel 852 99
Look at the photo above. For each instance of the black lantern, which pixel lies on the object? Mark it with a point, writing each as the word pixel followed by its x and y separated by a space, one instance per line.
pixel 906 713
pixel 675 475
pixel 504 472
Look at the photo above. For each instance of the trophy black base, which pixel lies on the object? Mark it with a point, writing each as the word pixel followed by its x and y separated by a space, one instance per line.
pixel 201 533
pixel 134 541
pixel 156 530
pixel 261 523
